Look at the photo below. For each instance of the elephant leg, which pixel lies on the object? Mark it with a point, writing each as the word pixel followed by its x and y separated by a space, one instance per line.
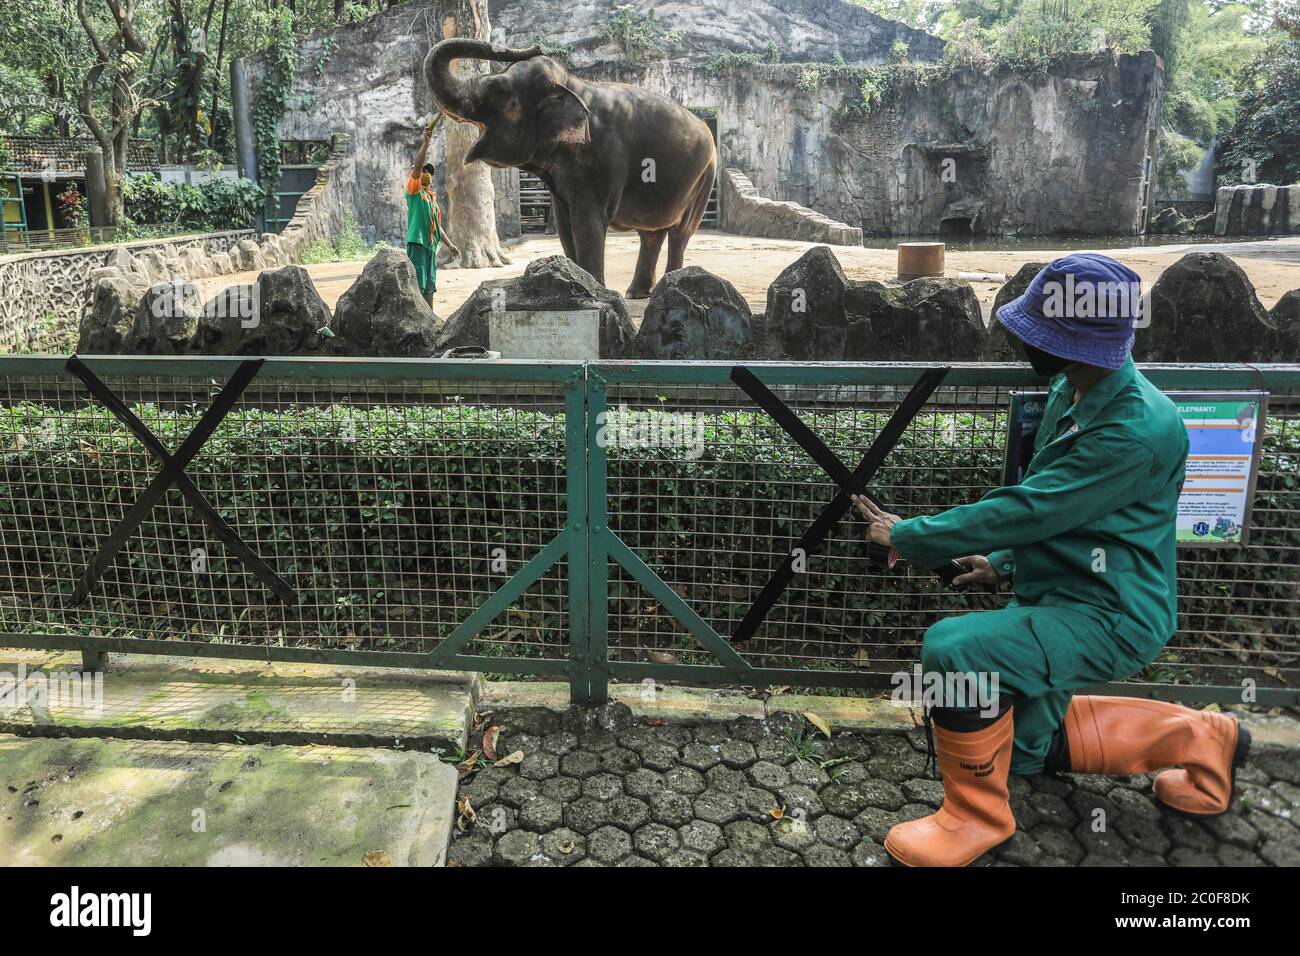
pixel 589 244
pixel 563 227
pixel 680 234
pixel 646 263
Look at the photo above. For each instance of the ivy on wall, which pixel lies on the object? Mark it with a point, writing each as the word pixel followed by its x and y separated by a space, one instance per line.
pixel 273 93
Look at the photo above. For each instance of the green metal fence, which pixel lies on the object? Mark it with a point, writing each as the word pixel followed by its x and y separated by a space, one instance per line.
pixel 586 522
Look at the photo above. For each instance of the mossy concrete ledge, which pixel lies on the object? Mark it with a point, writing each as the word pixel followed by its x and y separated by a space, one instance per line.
pixel 232 701
pixel 89 802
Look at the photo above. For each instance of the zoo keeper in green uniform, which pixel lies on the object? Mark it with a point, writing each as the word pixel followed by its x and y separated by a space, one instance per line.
pixel 1088 541
pixel 424 228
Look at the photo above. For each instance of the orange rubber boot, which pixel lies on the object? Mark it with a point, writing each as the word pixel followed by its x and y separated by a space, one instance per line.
pixel 976 812
pixel 1128 735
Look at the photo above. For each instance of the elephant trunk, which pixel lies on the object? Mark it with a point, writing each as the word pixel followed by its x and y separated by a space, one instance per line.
pixel 457 97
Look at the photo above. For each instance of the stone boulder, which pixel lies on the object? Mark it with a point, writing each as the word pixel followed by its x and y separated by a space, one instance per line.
pixel 247 256
pixel 927 318
pixel 111 315
pixel 807 317
pixel 289 316
pixel 1204 309
pixel 166 319
pixel 227 319
pixel 383 312
pixel 815 313
pixel 1285 318
pixel 554 283
pixel 1001 345
pixel 1169 221
pixel 221 264
pixel 693 314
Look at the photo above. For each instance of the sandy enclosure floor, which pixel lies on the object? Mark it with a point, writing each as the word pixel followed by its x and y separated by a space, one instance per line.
pixel 751 264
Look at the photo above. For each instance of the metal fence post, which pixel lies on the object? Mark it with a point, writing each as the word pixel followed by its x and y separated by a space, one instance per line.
pixel 597 541
pixel 575 447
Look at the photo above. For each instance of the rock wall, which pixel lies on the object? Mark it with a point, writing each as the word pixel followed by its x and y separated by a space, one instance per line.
pixel 746 213
pixel 1257 210
pixel 59 286
pixel 364 80
pixel 990 152
pixel 323 210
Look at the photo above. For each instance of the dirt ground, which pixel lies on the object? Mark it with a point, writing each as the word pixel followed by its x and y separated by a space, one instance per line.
pixel 751 264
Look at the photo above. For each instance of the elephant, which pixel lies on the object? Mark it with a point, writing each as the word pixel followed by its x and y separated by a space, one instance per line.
pixel 612 154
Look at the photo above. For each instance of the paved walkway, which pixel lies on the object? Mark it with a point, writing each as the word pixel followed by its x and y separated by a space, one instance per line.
pixel 604 788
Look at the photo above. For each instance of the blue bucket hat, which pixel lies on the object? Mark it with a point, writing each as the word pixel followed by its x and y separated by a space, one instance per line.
pixel 1082 307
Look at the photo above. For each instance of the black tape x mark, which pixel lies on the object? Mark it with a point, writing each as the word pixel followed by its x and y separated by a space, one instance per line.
pixel 850 482
pixel 173 473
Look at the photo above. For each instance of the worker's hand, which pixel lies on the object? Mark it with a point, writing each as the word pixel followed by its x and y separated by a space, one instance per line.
pixel 878 532
pixel 978 571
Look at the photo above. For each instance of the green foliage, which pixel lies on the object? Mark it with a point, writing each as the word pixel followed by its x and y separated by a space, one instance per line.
pixel 273 94
pixel 1178 154
pixel 1266 135
pixel 214 206
pixel 556 51
pixel 640 35
pixel 348 246
pixel 726 62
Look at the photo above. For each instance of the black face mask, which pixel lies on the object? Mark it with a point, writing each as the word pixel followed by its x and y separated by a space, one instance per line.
pixel 1045 363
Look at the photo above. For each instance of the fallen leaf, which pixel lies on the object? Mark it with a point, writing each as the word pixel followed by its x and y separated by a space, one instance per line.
pixel 1272 672
pixel 775 689
pixel 777 812
pixel 490 742
pixel 662 657
pixel 516 757
pixel 376 858
pixel 567 847
pixel 469 764
pixel 87 449
pixel 818 722
pixel 862 658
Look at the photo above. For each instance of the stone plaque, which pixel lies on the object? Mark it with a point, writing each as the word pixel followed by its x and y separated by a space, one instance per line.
pixel 559 336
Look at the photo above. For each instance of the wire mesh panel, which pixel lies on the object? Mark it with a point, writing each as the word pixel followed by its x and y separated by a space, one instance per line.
pixel 393 505
pixel 715 509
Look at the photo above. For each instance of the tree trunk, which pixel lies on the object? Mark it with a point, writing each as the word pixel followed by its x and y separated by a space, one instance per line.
pixel 470 216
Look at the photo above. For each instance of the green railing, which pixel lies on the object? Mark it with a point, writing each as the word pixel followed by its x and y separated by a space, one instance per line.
pixel 590 522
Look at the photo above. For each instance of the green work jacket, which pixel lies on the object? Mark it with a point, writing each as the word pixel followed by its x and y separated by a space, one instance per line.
pixel 1092 525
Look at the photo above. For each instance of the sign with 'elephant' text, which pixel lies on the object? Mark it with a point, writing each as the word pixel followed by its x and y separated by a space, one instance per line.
pixel 1225 434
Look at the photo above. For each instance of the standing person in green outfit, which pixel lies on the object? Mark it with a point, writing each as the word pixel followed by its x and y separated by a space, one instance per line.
pixel 424 229
pixel 1088 539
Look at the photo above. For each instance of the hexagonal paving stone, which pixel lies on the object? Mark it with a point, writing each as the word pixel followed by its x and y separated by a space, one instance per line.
pixel 675 735
pixel 1230 855
pixel 852 772
pixel 875 822
pixel 564 789
pixel 823 855
pixel 737 753
pixel 475 850
pixel 609 845
pixel 684 857
pixel 929 792
pixel 717 807
pixel 580 763
pixel 1143 834
pixel 735 859
pixel 1057 842
pixel 808 773
pixel 541 814
pixel 619 760
pixel 835 832
pixel 659 756
pixel 671 809
pixel 725 778
pixel 517 790
pixel 643 783
pixel 564 846
pixel 758 805
pixel 517 848
pixel 867 853
pixel 634 738
pixel 774 750
pixel 768 775
pixel 1052 809
pixel 656 841
pixel 597 740
pixel 684 780
pixel 587 815
pixel 628 813
pixel 712 733
pixel 795 796
pixel 746 836
pixel 793 833
pixel 495 818
pixel 602 786
pixel 749 729
pixel 560 743
pixel 848 800
pixel 539 766
pixel 635 860
pixel 702 837
pixel 777 856
pixel 701 756
pixel 897 767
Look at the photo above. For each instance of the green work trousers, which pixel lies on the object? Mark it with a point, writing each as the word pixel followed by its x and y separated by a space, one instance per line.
pixel 426 267
pixel 1040 655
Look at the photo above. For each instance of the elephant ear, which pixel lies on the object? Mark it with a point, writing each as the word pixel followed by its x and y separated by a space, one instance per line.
pixel 563 118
